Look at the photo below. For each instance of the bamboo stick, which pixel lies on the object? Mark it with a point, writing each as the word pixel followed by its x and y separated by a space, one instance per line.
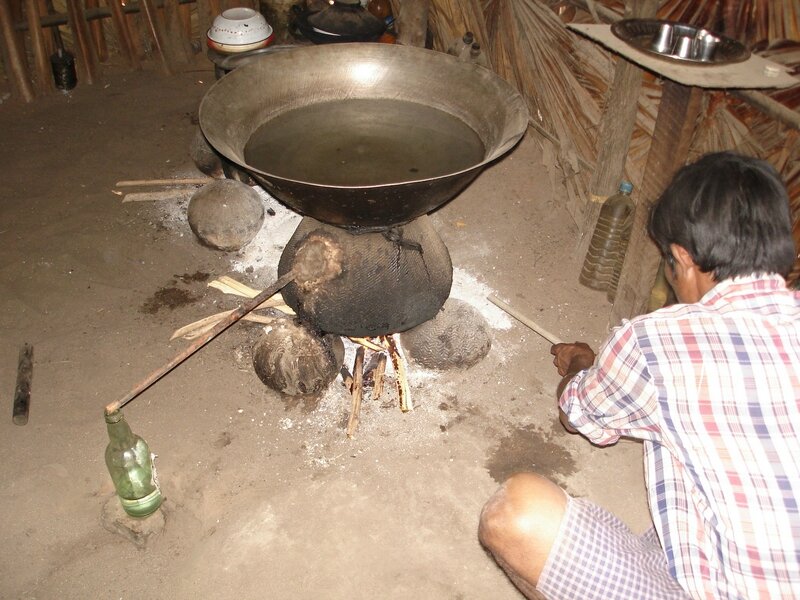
pixel 96 31
pixel 14 55
pixel 155 30
pixel 44 73
pixel 156 182
pixel 124 34
pixel 77 23
pixel 529 323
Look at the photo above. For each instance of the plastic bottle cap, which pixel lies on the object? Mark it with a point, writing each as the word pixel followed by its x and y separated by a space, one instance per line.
pixel 626 187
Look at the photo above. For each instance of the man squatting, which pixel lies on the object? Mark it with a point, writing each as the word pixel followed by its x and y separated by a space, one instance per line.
pixel 711 385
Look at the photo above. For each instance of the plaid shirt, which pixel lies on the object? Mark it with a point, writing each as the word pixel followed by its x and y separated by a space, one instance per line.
pixel 713 389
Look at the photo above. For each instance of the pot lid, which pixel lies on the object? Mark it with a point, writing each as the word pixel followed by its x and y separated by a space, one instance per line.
pixel 346 17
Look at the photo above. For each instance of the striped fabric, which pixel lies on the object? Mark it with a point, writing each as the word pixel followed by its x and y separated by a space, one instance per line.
pixel 596 557
pixel 713 389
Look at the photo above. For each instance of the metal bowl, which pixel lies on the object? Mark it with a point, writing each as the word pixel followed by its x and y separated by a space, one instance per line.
pixel 306 78
pixel 680 42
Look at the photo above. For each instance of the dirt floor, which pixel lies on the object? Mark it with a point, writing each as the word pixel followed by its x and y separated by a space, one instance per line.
pixel 265 497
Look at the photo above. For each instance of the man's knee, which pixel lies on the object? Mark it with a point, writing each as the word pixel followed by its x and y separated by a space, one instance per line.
pixel 523 516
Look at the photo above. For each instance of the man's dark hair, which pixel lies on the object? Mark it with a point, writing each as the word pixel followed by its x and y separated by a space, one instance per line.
pixel 731 213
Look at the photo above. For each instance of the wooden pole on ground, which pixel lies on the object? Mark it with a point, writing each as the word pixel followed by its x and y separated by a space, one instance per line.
pixel 677 117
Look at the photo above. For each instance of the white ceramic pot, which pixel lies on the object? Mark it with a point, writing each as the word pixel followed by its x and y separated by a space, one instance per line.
pixel 239 30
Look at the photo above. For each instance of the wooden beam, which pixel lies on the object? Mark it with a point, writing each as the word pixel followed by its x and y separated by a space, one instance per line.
pixel 677 118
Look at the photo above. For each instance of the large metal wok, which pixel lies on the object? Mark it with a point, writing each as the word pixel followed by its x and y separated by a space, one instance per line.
pixel 271 86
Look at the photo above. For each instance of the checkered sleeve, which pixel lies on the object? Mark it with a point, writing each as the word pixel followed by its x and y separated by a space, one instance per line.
pixel 616 396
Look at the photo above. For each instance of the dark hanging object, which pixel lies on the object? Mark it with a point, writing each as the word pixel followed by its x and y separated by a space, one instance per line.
pixel 63 64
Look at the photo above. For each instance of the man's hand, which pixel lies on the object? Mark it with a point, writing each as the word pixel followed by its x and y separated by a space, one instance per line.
pixel 571 358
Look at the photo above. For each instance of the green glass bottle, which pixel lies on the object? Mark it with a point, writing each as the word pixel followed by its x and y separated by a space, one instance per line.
pixel 131 466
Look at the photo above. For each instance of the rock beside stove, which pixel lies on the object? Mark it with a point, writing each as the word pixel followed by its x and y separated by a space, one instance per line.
pixel 226 214
pixel 457 337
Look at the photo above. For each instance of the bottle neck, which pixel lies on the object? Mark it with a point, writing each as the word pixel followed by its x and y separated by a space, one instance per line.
pixel 119 432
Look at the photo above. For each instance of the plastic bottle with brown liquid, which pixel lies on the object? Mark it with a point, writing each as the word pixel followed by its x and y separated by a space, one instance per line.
pixel 603 263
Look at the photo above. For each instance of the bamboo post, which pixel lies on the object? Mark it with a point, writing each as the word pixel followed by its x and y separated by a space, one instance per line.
pixel 96 31
pixel 14 55
pixel 44 73
pixel 412 22
pixel 123 34
pixel 677 117
pixel 77 23
pixel 155 29
pixel 616 128
pixel 177 44
pixel 49 38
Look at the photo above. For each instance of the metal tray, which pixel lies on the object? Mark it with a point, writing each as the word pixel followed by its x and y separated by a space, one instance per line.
pixel 680 42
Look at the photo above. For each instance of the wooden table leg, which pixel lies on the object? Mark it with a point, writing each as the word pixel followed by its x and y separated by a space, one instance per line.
pixel 677 117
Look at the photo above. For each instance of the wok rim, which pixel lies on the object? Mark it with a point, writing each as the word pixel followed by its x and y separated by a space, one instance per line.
pixel 506 146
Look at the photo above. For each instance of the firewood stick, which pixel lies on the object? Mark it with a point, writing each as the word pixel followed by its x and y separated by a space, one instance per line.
pixel 367 344
pixel 358 390
pixel 347 378
pixel 380 370
pixel 550 337
pixel 199 327
pixel 401 378
pixel 228 285
pixel 157 196
pixel 232 318
pixel 146 182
